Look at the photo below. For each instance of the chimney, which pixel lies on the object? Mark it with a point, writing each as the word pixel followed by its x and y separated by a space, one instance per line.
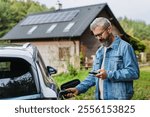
pixel 58 5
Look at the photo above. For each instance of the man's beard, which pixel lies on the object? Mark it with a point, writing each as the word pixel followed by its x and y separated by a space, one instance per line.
pixel 106 42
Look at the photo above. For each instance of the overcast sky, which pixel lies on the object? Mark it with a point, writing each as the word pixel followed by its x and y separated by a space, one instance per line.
pixel 133 9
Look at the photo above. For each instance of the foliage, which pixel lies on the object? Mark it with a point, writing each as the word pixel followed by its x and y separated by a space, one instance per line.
pixel 138 45
pixel 4 18
pixel 139 32
pixel 72 70
pixel 134 28
pixel 12 11
pixel 147 43
pixel 81 60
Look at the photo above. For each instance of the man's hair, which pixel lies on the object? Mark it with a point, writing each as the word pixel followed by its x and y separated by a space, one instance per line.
pixel 101 22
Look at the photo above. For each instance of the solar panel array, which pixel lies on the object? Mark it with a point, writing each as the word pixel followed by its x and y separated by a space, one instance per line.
pixel 50 17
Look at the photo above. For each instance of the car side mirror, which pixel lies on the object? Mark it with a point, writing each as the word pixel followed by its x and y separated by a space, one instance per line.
pixel 51 70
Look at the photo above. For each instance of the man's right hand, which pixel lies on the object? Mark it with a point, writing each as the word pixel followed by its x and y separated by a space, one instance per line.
pixel 72 92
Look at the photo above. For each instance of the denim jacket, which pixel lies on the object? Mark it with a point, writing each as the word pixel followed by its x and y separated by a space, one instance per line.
pixel 121 67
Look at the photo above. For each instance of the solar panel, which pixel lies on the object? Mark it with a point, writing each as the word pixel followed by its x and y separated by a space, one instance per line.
pixel 50 17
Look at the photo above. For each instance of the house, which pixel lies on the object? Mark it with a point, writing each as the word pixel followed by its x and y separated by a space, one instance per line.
pixel 63 36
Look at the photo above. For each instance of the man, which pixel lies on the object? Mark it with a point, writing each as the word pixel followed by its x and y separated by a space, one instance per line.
pixel 115 62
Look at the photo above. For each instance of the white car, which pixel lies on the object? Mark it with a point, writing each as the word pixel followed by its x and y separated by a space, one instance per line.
pixel 23 74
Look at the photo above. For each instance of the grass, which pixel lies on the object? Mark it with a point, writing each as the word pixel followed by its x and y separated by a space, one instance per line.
pixel 141 86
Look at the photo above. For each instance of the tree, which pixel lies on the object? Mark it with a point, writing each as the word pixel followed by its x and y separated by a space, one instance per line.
pixel 4 11
pixel 137 44
pixel 138 31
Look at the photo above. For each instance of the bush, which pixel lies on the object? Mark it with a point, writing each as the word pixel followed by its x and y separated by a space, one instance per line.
pixel 72 70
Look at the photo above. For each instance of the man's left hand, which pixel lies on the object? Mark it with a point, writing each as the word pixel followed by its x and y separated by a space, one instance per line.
pixel 102 74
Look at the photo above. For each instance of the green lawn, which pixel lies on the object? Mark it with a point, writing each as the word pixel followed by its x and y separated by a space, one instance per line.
pixel 141 86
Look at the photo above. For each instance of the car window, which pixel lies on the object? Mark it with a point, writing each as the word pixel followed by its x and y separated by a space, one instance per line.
pixel 16 78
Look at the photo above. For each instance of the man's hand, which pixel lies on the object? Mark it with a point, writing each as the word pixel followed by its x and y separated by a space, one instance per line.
pixel 72 92
pixel 102 74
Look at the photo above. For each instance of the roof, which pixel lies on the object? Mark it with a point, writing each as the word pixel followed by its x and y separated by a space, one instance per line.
pixel 70 22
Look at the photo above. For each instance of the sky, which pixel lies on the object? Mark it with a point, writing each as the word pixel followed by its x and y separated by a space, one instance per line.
pixel 133 9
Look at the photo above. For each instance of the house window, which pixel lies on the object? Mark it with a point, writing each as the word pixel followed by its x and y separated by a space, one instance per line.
pixel 64 53
pixel 68 27
pixel 51 28
pixel 31 30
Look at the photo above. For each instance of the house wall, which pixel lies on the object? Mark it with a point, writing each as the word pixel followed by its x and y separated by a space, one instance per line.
pixel 58 53
pixel 88 48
